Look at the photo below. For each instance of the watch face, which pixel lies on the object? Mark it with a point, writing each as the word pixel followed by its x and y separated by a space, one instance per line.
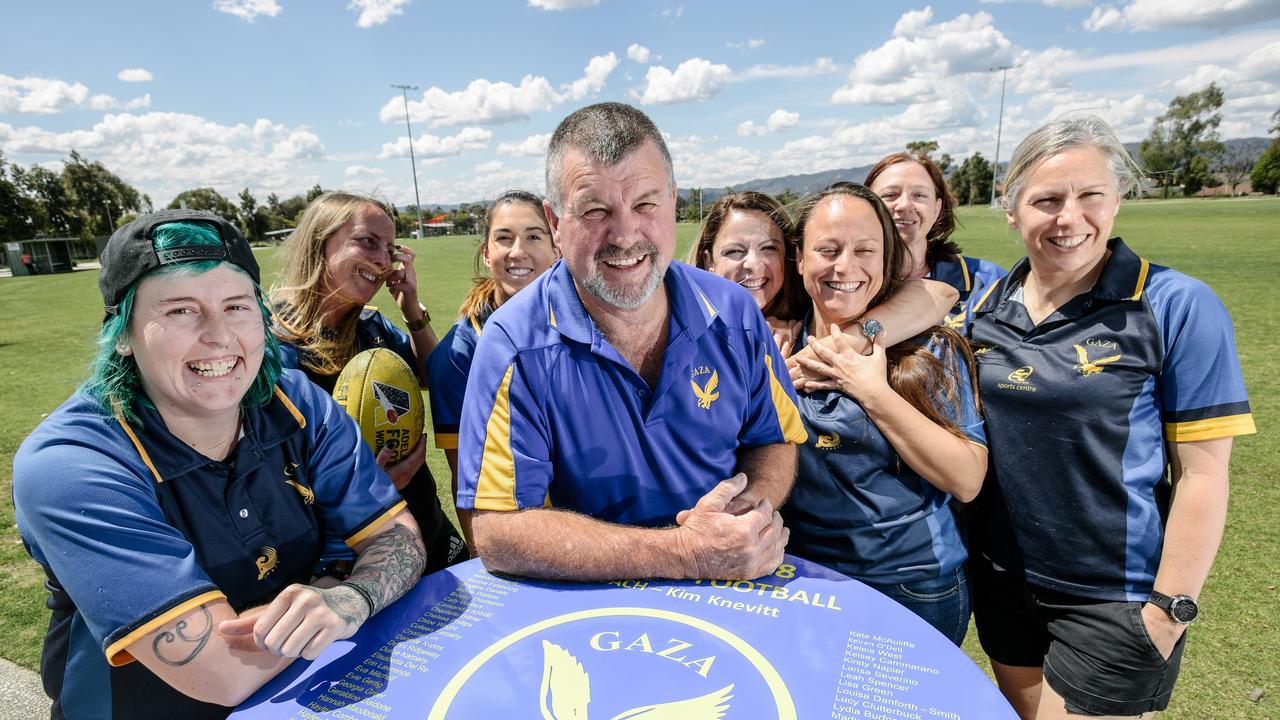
pixel 1184 609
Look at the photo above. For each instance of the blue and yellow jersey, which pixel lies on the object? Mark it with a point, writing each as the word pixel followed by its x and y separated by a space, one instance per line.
pixel 1079 410
pixel 373 330
pixel 857 508
pixel 554 412
pixel 447 371
pixel 968 275
pixel 134 528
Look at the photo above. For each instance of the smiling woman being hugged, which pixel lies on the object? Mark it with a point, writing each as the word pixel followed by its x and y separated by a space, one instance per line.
pixel 1102 375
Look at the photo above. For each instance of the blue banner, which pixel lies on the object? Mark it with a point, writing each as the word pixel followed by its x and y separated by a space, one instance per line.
pixel 804 642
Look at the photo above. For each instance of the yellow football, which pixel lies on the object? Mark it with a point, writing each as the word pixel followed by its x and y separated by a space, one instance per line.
pixel 380 391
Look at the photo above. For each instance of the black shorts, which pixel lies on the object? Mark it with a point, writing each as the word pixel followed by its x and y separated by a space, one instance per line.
pixel 442 540
pixel 1096 654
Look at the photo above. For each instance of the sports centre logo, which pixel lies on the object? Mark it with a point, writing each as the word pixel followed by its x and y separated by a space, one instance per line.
pixel 392 400
pixel 590 664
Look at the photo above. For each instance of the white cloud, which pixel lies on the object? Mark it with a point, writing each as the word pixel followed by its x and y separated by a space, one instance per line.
pixel 562 4
pixel 165 153
pixel 488 168
pixel 376 12
pixel 694 79
pixel 746 45
pixel 490 103
pixel 700 166
pixel 434 146
pixel 821 66
pixel 1150 15
pixel 639 53
pixel 594 76
pixel 362 170
pixel 779 121
pixel 1104 17
pixel 247 10
pixel 672 14
pixel 44 96
pixel 532 146
pixel 134 75
pixel 925 56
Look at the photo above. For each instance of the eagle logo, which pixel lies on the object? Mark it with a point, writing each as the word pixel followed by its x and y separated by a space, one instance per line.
pixel 308 495
pixel 566 692
pixel 709 394
pixel 266 561
pixel 1092 367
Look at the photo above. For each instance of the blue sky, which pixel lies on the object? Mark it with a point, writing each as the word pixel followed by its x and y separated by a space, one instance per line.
pixel 277 95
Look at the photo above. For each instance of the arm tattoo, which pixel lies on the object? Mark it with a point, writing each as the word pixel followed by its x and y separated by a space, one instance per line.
pixel 179 634
pixel 348 606
pixel 391 565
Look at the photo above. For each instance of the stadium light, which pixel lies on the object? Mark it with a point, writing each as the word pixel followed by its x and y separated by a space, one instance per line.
pixel 995 164
pixel 413 164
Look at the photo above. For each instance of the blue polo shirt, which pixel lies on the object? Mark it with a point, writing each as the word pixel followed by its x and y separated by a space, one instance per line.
pixel 970 276
pixel 134 528
pixel 553 411
pixel 373 330
pixel 447 369
pixel 857 507
pixel 1079 410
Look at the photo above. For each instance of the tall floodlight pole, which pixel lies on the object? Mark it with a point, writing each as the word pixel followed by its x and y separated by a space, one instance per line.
pixel 995 164
pixel 413 164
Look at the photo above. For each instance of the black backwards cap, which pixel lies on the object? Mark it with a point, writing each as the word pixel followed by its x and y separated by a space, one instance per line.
pixel 131 252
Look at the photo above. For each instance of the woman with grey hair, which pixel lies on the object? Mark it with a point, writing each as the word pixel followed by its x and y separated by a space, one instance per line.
pixel 1099 373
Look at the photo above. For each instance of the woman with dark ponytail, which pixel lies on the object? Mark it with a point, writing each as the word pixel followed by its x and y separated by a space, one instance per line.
pixel 515 248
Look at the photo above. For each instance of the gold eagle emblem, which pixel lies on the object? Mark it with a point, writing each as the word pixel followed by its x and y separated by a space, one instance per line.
pixel 266 561
pixel 1092 367
pixel 566 692
pixel 709 394
pixel 308 495
pixel 828 442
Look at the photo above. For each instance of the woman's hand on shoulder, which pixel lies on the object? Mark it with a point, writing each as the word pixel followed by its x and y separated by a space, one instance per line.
pixel 837 365
pixel 403 471
pixel 785 333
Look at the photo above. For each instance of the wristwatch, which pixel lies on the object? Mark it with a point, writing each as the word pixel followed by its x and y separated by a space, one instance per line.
pixel 420 323
pixel 1182 608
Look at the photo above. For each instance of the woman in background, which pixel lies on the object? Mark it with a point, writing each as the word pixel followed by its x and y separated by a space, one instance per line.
pixel 924 212
pixel 893 434
pixel 342 252
pixel 515 248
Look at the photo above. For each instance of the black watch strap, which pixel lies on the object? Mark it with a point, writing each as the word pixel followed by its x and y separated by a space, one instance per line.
pixel 1181 608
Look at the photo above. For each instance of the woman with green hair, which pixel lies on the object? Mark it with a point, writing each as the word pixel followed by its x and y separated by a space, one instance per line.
pixel 179 500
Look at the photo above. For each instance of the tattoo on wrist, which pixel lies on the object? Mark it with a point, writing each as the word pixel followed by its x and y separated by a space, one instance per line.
pixel 391 565
pixel 346 605
pixel 178 641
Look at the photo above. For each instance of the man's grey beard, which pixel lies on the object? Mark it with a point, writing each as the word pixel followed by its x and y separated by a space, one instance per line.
pixel 595 283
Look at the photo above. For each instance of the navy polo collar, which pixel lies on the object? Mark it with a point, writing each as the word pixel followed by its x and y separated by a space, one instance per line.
pixel 1122 279
pixel 691 310
pixel 262 427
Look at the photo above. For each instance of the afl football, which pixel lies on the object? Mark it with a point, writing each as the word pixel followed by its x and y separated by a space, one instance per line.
pixel 380 391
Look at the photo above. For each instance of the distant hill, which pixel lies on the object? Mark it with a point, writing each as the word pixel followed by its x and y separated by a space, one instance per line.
pixel 814 182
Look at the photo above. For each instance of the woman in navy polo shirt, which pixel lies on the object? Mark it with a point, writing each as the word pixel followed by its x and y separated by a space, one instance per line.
pixel 1101 374
pixel 915 190
pixel 179 501
pixel 516 247
pixel 341 254
pixel 893 435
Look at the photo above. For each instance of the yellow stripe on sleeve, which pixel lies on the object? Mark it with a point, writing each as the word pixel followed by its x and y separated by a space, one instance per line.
pixel 964 271
pixel 363 533
pixel 496 487
pixel 117 652
pixel 293 409
pixel 142 452
pixel 1142 279
pixel 1210 429
pixel 788 414
pixel 447 441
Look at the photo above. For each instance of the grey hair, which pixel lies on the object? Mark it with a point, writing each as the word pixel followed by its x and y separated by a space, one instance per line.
pixel 606 133
pixel 1062 134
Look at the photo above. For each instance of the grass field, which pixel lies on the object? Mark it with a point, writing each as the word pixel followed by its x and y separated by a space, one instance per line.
pixel 47 327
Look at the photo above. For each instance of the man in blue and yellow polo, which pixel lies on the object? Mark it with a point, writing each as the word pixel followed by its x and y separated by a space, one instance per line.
pixel 626 415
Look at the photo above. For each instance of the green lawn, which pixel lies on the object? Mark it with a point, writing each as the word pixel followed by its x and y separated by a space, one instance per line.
pixel 47 327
